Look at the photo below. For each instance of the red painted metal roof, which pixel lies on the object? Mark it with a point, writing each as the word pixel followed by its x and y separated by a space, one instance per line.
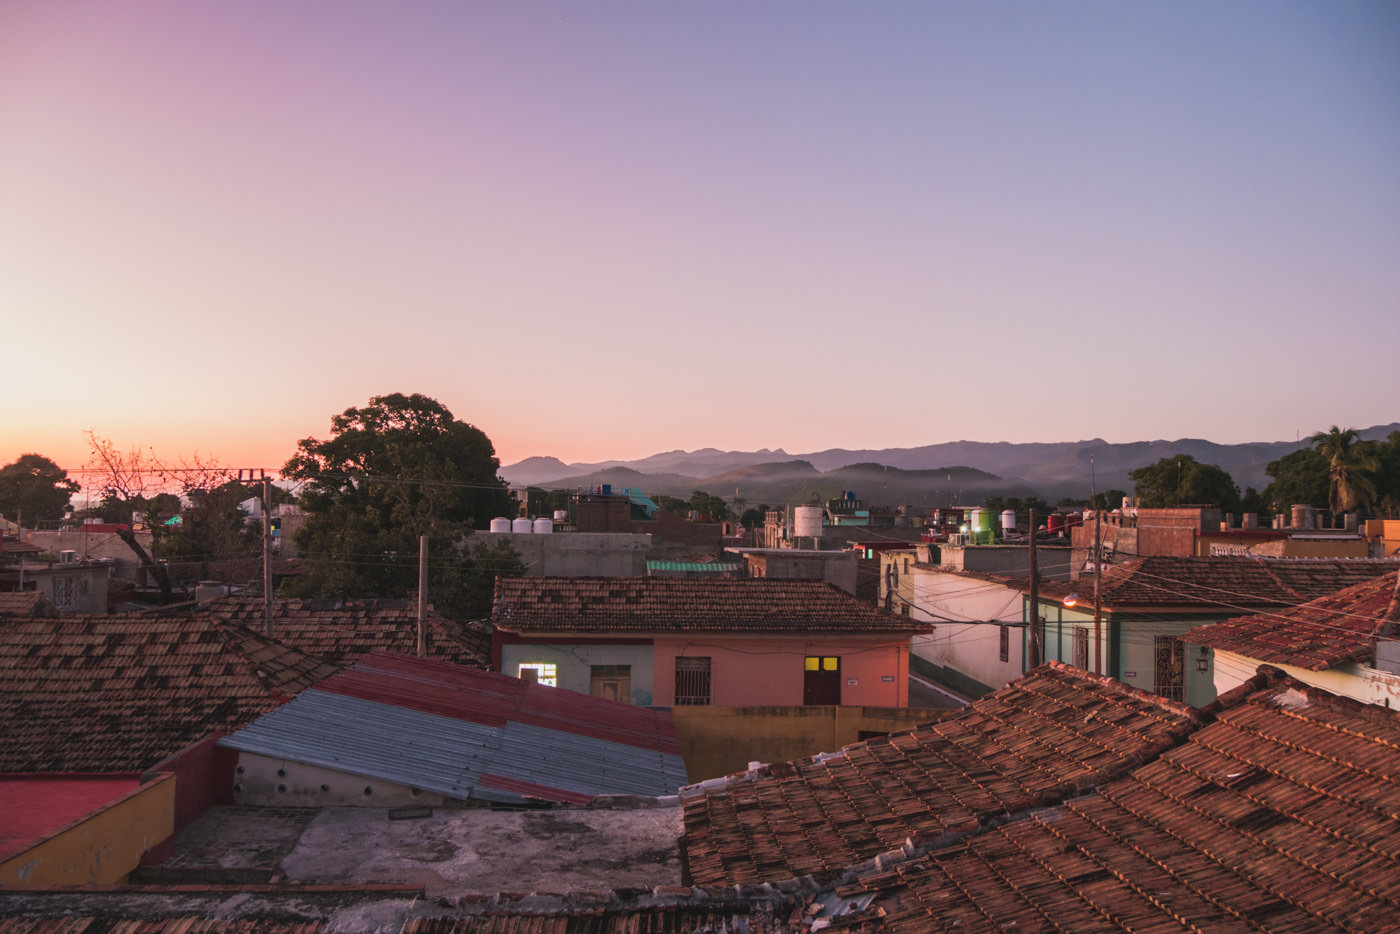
pixel 34 807
pixel 492 699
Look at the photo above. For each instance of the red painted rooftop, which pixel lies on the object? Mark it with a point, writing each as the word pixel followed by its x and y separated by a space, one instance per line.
pixel 35 807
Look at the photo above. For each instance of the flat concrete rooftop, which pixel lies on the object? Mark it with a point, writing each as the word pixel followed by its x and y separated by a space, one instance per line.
pixel 450 852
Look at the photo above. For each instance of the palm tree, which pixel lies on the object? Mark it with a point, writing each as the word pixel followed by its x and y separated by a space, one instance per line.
pixel 1349 464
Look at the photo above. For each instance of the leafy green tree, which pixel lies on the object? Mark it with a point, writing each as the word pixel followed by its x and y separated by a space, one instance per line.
pixel 1299 478
pixel 1349 468
pixel 392 471
pixel 711 508
pixel 34 489
pixel 467 584
pixel 672 504
pixel 213 525
pixel 1180 479
pixel 1109 499
pixel 1387 476
pixel 754 516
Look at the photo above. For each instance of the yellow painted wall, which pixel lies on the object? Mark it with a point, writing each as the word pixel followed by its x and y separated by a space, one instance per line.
pixel 1384 534
pixel 718 741
pixel 104 848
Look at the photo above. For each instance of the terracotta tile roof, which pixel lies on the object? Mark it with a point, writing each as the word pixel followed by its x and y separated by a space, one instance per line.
pixel 167 925
pixel 122 693
pixel 1278 815
pixel 28 603
pixel 652 604
pixel 1318 635
pixel 344 631
pixel 1054 733
pixel 1222 583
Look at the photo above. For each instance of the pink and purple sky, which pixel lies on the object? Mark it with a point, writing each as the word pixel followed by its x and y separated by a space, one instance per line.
pixel 608 229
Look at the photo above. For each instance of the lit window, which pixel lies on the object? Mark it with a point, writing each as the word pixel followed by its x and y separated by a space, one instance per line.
pixel 546 673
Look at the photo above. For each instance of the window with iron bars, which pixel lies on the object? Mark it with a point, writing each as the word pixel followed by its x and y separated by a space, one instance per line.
pixel 692 680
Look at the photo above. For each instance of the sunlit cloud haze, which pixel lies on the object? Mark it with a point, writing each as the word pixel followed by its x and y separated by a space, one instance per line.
pixel 604 230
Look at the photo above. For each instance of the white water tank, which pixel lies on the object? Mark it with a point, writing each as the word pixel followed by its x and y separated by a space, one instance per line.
pixel 500 525
pixel 544 526
pixel 561 515
pixel 522 525
pixel 1008 520
pixel 807 522
pixel 979 520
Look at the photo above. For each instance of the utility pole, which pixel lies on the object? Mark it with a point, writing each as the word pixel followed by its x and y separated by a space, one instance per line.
pixel 267 556
pixel 422 596
pixel 1098 567
pixel 1037 629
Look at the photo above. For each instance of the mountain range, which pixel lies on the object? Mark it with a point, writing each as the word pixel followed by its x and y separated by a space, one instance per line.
pixel 953 473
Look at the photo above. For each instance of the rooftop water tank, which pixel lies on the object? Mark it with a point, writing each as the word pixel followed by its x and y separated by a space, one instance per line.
pixel 561 515
pixel 978 522
pixel 1008 520
pixel 500 525
pixel 544 526
pixel 522 525
pixel 807 521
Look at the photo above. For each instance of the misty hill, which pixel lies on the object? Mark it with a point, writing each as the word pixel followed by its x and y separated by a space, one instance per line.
pixel 1050 470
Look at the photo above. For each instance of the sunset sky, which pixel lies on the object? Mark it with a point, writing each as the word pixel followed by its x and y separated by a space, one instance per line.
pixel 603 230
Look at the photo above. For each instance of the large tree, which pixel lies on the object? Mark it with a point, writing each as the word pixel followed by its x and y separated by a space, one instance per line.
pixel 392 471
pixel 1179 479
pixel 1299 478
pixel 213 525
pixel 34 489
pixel 1349 468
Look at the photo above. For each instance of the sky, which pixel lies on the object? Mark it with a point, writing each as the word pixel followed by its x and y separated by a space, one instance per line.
pixel 604 230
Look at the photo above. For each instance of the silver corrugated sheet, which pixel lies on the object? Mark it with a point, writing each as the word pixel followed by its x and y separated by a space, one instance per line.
pixel 420 750
pixel 584 765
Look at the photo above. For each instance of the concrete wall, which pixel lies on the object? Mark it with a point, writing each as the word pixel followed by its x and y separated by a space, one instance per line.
pixel 718 741
pixel 94 545
pixel 1129 647
pixel 71 588
pixel 766 670
pixel 575 661
pixel 968 612
pixel 1358 682
pixel 103 847
pixel 838 568
pixel 576 554
pixel 267 782
pixel 1052 561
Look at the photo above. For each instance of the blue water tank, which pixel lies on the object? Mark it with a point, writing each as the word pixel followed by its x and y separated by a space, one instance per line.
pixel 607 489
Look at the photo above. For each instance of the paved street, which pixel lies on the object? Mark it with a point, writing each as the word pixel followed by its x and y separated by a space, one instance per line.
pixel 926 694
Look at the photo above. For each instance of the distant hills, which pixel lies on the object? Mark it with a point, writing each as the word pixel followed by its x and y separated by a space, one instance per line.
pixel 958 472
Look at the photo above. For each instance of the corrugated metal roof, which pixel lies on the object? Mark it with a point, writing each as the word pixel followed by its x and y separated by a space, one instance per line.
pixel 699 567
pixel 583 764
pixel 362 737
pixel 467 733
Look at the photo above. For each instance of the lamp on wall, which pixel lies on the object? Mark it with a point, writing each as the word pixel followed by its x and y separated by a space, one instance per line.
pixel 1203 659
pixel 1071 599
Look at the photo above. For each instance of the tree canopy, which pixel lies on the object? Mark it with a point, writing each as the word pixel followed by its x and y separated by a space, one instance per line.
pixel 1349 468
pixel 34 489
pixel 1298 479
pixel 396 469
pixel 1179 479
